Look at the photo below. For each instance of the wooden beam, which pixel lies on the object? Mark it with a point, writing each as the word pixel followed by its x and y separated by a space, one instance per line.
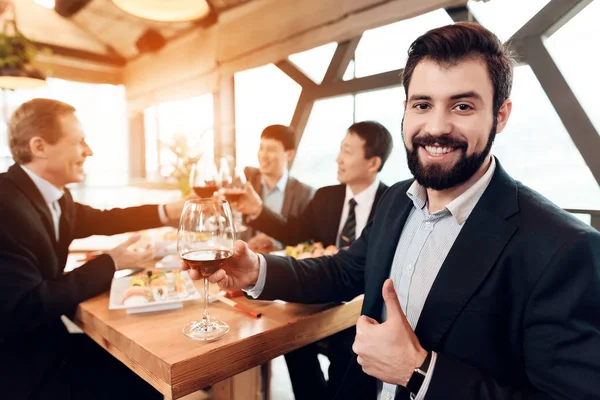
pixel 301 114
pixel 549 18
pixel 61 67
pixel 372 82
pixel 83 54
pixel 137 147
pixel 341 59
pixel 224 118
pixel 263 32
pixel 294 72
pixel 458 14
pixel 574 118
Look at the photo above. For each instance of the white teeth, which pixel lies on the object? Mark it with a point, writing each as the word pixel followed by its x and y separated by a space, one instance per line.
pixel 436 151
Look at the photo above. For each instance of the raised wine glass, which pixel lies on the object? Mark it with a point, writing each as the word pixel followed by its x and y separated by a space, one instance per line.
pixel 204 179
pixel 233 184
pixel 204 241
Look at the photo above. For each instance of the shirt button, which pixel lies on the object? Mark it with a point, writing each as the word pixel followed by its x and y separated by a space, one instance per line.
pixel 427 224
pixel 409 268
pixel 388 396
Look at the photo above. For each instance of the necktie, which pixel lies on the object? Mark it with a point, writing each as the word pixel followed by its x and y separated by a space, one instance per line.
pixel 63 228
pixel 56 213
pixel 348 233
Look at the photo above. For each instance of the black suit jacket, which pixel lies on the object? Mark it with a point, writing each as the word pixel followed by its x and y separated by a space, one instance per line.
pixel 34 292
pixel 514 312
pixel 296 196
pixel 319 221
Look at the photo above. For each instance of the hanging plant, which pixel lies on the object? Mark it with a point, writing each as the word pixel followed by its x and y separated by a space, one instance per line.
pixel 17 53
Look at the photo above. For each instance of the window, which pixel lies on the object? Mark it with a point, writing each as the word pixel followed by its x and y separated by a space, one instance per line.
pixel 536 149
pixel 189 122
pixel 102 112
pixel 505 17
pixel 385 48
pixel 314 62
pixel 571 47
pixel 386 107
pixel 315 160
pixel 263 96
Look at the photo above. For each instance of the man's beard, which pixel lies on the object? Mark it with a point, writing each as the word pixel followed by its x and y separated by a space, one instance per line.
pixel 435 176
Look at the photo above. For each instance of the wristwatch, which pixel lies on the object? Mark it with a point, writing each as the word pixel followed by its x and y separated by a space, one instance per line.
pixel 418 377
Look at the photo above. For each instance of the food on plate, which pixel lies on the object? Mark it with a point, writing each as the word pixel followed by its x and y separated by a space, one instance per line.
pixel 137 295
pixel 154 285
pixel 180 284
pixel 309 250
pixel 156 278
pixel 139 280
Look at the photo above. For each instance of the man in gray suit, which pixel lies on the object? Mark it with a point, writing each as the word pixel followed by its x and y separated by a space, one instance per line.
pixel 279 191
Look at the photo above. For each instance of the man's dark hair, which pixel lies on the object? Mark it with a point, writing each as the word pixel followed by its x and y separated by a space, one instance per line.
pixel 281 133
pixel 452 44
pixel 378 140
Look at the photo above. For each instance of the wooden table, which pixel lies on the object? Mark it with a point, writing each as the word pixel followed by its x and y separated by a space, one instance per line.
pixel 153 346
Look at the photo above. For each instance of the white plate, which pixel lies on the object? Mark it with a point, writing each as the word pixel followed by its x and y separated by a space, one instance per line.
pixel 171 261
pixel 120 285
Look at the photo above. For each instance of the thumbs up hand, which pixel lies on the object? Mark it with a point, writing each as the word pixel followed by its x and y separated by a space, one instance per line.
pixel 389 351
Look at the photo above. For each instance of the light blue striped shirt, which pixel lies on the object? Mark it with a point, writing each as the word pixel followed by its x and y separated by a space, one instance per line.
pixel 273 198
pixel 423 246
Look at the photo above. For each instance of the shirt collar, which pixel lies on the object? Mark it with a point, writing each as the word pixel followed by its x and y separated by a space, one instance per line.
pixel 281 184
pixel 49 192
pixel 463 205
pixel 366 197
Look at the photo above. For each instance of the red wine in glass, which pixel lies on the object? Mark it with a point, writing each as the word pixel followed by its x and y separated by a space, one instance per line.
pixel 233 195
pixel 207 262
pixel 206 191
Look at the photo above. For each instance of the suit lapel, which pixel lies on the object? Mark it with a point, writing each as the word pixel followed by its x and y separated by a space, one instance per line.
pixel 386 234
pixel 332 212
pixel 23 182
pixel 253 176
pixel 470 260
pixel 288 197
pixel 380 190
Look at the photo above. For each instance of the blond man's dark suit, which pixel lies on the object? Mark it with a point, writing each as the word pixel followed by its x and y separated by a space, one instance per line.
pixel 34 292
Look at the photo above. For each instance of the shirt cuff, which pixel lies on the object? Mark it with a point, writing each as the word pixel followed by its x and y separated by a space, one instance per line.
pixel 425 385
pixel 113 261
pixel 162 214
pixel 256 290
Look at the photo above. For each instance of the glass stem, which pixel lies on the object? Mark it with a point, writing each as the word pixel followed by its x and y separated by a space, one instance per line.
pixel 206 317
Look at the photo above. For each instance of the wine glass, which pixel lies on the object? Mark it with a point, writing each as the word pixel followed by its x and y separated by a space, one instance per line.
pixel 233 184
pixel 232 188
pixel 204 241
pixel 204 178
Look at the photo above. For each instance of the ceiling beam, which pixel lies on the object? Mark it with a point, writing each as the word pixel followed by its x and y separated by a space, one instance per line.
pixel 113 60
pixel 550 17
pixel 569 110
pixel 295 73
pixel 459 14
pixel 367 83
pixel 235 44
pixel 344 53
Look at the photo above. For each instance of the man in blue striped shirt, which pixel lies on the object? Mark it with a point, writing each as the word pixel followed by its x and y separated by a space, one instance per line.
pixel 476 287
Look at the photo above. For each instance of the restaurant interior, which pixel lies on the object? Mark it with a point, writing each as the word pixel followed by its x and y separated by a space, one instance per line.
pixel 163 89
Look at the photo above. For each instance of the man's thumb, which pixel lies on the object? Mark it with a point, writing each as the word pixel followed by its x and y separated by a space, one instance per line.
pixel 394 310
pixel 241 248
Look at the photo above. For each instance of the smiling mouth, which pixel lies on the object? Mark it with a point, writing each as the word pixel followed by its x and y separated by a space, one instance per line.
pixel 438 150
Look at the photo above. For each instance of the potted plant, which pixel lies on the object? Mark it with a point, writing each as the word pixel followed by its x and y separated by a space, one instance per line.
pixel 17 53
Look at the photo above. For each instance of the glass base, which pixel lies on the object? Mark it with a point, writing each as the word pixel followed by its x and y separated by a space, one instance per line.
pixel 199 330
